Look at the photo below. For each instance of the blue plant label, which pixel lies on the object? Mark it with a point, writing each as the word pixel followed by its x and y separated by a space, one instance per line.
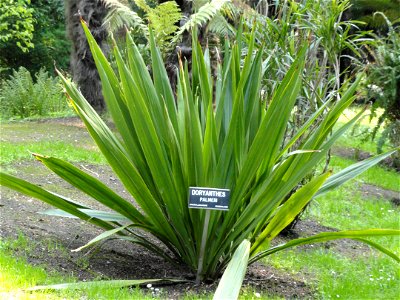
pixel 209 198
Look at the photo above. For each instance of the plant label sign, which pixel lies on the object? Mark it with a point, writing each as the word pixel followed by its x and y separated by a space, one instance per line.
pixel 209 198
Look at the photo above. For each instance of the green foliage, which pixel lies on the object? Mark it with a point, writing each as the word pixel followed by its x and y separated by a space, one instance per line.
pixel 120 16
pixel 224 137
pixel 16 23
pixel 231 281
pixel 51 46
pixel 319 23
pixel 163 19
pixel 22 96
pixel 382 86
pixel 204 14
pixel 364 10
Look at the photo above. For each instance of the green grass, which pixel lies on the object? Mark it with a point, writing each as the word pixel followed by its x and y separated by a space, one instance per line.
pixel 339 277
pixel 68 112
pixel 365 275
pixel 14 152
pixel 20 139
pixel 347 208
pixel 376 175
pixel 356 138
pixel 16 275
pixel 370 275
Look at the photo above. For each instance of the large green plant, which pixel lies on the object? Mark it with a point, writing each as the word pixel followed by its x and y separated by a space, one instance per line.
pixel 210 134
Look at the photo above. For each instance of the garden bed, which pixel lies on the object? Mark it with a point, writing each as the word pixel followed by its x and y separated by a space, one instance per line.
pixel 51 239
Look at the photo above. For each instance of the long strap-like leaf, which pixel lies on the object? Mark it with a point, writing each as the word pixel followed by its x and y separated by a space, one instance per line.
pixel 94 188
pixel 32 190
pixel 328 236
pixel 231 281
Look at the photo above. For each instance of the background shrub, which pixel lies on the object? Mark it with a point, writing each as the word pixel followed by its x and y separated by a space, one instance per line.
pixel 48 44
pixel 22 96
pixel 383 86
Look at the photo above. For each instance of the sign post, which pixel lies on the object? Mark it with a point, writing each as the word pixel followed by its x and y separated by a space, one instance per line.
pixel 208 199
pixel 202 247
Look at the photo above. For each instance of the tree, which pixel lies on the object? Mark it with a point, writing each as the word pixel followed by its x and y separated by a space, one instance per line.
pixel 82 64
pixel 116 14
pixel 16 23
pixel 16 28
pixel 50 45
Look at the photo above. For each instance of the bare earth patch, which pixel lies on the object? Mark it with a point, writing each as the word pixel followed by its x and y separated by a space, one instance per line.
pixel 372 190
pixel 354 153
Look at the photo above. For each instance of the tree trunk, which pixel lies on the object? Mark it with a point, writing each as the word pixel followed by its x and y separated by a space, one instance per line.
pixel 83 68
pixel 184 48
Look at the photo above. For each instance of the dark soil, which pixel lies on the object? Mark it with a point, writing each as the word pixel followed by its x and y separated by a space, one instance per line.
pixel 354 153
pixel 372 190
pixel 53 238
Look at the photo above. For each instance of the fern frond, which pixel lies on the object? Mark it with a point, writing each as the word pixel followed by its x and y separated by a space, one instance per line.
pixel 142 5
pixel 238 9
pixel 204 14
pixel 232 10
pixel 121 15
pixel 220 26
pixel 163 19
pixel 197 4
